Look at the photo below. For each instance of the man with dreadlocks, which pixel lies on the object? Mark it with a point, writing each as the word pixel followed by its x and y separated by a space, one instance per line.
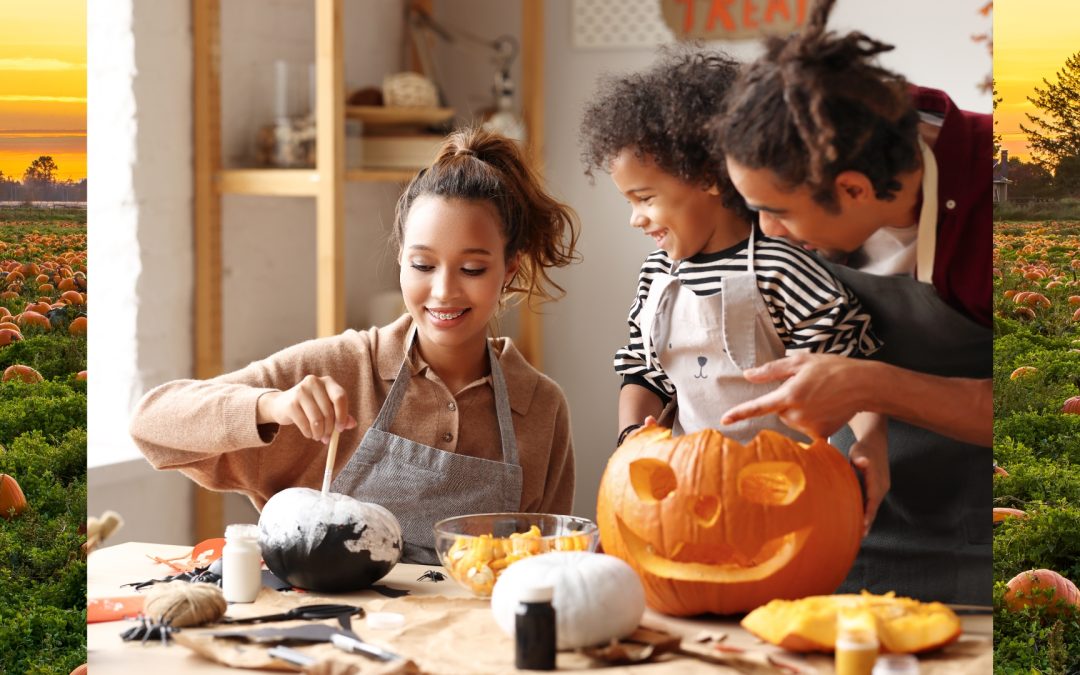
pixel 893 183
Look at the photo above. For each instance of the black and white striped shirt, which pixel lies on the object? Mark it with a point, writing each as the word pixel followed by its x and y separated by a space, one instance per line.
pixel 810 308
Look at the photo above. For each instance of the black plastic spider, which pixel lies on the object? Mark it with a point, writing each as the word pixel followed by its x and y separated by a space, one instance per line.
pixel 148 629
pixel 432 575
pixel 206 575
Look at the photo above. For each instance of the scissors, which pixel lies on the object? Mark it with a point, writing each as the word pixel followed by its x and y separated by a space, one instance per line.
pixel 327 611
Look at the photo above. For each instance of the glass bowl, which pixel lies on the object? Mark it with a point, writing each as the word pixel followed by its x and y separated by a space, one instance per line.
pixel 475 549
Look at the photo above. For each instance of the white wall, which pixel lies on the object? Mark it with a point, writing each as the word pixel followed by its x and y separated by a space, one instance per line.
pixel 140 214
pixel 140 205
pixel 582 332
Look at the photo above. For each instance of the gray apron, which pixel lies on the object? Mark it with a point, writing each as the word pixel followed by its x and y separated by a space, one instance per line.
pixel 704 343
pixel 932 536
pixel 422 485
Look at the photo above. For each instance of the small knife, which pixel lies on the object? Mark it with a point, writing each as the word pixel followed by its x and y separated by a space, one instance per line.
pixel 354 646
pixel 291 656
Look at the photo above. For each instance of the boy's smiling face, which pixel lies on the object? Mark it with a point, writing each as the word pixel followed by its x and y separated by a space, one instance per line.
pixel 684 219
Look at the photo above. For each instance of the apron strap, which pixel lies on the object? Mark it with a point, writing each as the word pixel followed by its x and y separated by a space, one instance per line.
pixel 393 401
pixel 502 410
pixel 926 242
pixel 738 292
pixel 750 250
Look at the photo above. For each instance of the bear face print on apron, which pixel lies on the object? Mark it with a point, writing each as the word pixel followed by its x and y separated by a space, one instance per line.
pixel 704 343
pixel 422 485
pixel 933 533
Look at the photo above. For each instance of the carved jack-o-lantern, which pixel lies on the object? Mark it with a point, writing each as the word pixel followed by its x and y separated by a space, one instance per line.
pixel 713 526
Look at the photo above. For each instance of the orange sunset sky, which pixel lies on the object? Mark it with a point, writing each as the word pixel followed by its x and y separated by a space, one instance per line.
pixel 43 85
pixel 1032 39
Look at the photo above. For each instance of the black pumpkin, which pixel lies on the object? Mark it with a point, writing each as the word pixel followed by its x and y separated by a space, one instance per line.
pixel 330 544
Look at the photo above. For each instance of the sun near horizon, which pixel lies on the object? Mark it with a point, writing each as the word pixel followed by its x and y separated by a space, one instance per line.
pixel 1032 40
pixel 43 86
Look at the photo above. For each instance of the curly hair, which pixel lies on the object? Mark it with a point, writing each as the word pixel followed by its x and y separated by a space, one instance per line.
pixel 481 166
pixel 815 105
pixel 662 113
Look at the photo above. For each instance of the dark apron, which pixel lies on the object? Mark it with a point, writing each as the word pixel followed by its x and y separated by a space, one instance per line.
pixel 422 485
pixel 932 536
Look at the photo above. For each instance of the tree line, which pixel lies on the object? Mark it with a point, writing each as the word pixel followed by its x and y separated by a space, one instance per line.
pixel 40 184
pixel 1053 136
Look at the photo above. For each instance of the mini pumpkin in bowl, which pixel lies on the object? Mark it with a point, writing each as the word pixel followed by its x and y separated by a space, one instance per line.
pixel 476 548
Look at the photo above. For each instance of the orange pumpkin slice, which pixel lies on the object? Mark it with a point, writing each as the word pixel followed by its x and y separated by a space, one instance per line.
pixel 903 625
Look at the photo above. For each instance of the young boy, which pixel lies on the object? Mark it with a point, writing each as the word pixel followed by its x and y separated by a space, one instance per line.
pixel 717 298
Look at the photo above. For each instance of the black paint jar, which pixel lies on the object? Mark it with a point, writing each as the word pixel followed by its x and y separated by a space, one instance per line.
pixel 534 629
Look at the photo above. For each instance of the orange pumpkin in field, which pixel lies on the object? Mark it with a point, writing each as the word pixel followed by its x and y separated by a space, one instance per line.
pixel 1043 588
pixel 72 298
pixel 1001 513
pixel 78 326
pixel 7 336
pixel 12 500
pixel 24 373
pixel 1071 406
pixel 1022 371
pixel 32 318
pixel 711 525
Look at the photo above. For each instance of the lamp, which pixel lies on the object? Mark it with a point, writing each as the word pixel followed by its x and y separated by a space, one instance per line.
pixel 502 50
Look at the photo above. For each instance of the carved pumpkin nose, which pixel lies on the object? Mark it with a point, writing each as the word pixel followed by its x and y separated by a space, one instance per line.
pixel 706 510
pixel 653 479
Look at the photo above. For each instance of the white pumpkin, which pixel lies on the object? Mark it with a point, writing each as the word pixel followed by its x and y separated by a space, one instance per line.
pixel 597 597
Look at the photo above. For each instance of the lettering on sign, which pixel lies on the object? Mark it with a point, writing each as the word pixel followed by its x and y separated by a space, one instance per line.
pixel 732 19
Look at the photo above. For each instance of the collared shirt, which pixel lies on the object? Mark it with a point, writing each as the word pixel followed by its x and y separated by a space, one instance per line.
pixel 964 256
pixel 207 429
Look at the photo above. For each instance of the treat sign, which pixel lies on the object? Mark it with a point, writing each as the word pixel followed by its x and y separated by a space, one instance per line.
pixel 732 19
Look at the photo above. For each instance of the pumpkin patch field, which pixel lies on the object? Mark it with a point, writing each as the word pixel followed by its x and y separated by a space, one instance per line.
pixel 1037 447
pixel 43 315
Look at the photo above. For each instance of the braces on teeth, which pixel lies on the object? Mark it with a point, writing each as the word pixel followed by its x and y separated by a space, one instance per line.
pixel 446 316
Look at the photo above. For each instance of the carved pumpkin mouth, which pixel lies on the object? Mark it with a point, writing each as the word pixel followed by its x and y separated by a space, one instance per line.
pixel 783 549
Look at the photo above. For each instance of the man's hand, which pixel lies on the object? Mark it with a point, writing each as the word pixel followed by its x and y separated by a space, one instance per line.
pixel 819 394
pixel 316 405
pixel 870 456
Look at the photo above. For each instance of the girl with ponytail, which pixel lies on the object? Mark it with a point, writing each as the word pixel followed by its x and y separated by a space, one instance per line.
pixel 892 184
pixel 438 418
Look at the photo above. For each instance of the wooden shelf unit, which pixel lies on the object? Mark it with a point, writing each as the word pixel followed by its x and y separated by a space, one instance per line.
pixel 325 183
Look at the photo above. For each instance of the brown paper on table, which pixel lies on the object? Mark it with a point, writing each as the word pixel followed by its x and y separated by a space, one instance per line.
pixel 441 635
pixel 449 636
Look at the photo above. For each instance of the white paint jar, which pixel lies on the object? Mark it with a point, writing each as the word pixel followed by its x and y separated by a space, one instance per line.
pixel 241 563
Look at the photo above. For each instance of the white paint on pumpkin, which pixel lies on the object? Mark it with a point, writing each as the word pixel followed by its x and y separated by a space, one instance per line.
pixel 597 598
pixel 307 514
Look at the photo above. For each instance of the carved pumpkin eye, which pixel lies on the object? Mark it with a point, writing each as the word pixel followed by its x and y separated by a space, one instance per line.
pixel 706 510
pixel 771 483
pixel 652 479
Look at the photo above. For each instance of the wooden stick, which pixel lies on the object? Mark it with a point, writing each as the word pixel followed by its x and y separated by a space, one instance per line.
pixel 328 474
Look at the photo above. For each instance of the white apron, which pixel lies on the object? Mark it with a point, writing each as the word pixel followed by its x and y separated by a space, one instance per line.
pixel 704 343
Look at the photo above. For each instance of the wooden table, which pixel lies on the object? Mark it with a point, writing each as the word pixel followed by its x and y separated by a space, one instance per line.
pixel 111 567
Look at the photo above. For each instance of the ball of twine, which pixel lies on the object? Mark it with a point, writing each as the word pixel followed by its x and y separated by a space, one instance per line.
pixel 185 604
